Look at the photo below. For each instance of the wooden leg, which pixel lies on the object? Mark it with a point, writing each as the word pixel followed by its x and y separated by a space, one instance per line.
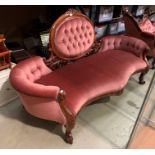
pixel 70 117
pixel 120 92
pixel 141 78
pixel 69 137
pixel 153 64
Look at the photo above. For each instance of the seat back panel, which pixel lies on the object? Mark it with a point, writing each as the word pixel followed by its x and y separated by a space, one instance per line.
pixel 72 35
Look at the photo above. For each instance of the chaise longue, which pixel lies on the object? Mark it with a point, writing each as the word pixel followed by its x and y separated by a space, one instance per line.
pixel 82 74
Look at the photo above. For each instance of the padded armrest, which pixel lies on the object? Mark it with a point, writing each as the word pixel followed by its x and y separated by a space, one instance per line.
pixel 24 75
pixel 40 90
pixel 34 89
pixel 125 43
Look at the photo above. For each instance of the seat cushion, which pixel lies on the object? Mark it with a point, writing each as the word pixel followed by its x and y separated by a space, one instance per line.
pixel 93 76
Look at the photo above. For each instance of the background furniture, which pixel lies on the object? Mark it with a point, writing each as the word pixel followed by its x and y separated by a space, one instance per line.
pixel 133 28
pixel 108 20
pixel 5 56
pixel 17 52
pixel 7 92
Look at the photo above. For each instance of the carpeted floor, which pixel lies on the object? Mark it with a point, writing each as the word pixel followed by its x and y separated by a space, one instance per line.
pixel 106 123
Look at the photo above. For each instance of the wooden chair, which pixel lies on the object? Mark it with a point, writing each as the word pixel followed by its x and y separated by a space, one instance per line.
pixel 143 30
pixel 5 54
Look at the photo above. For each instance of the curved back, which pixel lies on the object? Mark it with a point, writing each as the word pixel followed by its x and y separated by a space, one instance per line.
pixel 125 43
pixel 72 35
pixel 27 72
pixel 131 25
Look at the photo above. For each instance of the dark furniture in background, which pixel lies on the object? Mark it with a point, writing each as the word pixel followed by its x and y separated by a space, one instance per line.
pixel 4 54
pixel 108 20
pixel 134 29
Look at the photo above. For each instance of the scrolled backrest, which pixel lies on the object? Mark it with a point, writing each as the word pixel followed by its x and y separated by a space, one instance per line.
pixel 72 35
pixel 125 43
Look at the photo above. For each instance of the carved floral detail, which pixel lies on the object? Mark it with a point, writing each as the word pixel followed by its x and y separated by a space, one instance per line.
pixel 71 12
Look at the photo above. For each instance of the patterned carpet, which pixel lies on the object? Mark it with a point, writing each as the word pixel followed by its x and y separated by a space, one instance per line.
pixel 106 123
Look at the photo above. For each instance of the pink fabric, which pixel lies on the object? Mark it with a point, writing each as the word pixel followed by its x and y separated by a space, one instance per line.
pixel 44 108
pixel 147 26
pixel 99 74
pixel 23 76
pixel 74 37
pixel 126 43
pixel 38 99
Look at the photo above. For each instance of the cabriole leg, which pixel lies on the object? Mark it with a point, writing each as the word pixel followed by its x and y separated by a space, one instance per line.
pixel 141 78
pixel 153 64
pixel 68 137
pixel 68 134
pixel 70 117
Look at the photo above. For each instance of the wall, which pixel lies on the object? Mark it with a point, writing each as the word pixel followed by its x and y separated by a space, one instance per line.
pixel 15 19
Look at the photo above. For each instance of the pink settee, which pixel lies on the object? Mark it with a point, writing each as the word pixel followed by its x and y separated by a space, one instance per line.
pixel 59 94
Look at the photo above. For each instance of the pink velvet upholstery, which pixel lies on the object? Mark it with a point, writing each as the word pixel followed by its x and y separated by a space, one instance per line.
pixel 100 74
pixel 74 37
pixel 38 99
pixel 124 43
pixel 103 73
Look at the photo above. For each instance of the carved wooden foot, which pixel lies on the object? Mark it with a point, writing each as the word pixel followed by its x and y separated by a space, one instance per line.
pixel 141 78
pixel 69 116
pixel 69 137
